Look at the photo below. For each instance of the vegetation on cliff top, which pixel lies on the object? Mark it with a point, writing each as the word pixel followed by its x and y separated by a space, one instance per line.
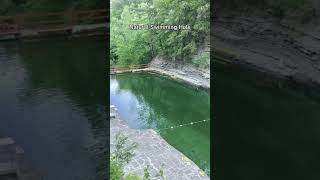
pixel 140 46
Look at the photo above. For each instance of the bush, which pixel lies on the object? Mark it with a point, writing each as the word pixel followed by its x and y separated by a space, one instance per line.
pixel 116 172
pixel 123 151
pixel 132 177
pixel 202 60
pixel 121 156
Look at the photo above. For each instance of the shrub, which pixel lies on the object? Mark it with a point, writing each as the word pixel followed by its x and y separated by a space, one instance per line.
pixel 116 172
pixel 202 60
pixel 123 154
pixel 132 177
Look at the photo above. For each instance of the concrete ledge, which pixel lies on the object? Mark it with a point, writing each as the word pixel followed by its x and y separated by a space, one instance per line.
pixel 172 75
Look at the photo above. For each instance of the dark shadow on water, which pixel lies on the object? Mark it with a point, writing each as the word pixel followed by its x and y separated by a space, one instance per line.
pixel 262 130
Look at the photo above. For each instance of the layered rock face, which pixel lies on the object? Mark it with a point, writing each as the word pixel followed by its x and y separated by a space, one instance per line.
pixel 286 48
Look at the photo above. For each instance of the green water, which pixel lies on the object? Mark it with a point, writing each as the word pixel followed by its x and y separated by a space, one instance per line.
pixel 265 129
pixel 53 103
pixel 151 101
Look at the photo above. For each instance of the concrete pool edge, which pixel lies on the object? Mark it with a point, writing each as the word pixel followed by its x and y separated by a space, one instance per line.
pixel 174 76
pixel 154 151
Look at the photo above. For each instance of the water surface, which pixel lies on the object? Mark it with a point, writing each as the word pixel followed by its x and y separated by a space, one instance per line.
pixel 264 129
pixel 151 101
pixel 53 100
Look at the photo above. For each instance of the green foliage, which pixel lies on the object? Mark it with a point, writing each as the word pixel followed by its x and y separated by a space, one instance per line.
pixel 161 172
pixel 140 46
pixel 116 172
pixel 113 56
pixel 181 45
pixel 201 60
pixel 146 174
pixel 132 177
pixel 123 152
pixel 126 45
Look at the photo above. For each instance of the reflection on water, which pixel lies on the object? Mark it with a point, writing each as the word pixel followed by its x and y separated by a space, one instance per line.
pixel 262 131
pixel 53 102
pixel 151 101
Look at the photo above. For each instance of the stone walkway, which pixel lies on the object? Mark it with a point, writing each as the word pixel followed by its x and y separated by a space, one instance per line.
pixel 154 151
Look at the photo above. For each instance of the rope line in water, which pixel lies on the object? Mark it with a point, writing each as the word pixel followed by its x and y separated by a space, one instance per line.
pixel 183 125
pixel 171 127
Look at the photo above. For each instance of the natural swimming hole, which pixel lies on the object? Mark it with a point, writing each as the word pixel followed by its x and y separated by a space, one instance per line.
pixel 147 100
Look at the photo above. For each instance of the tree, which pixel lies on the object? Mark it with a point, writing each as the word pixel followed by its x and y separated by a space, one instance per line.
pixel 140 46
